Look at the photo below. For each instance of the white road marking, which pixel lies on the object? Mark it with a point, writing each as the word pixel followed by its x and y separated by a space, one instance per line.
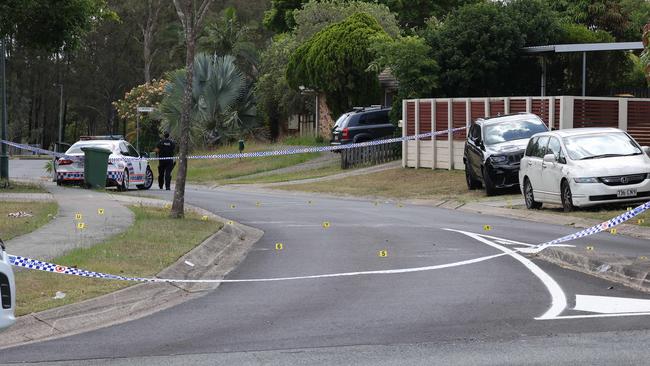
pixel 558 298
pixel 587 316
pixel 611 305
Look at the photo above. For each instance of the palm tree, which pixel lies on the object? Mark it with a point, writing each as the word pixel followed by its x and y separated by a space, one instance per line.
pixel 222 104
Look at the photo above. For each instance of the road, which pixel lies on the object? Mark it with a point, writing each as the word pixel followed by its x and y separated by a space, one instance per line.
pixel 486 312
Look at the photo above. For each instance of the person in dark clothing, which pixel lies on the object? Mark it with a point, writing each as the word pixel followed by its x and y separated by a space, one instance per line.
pixel 165 149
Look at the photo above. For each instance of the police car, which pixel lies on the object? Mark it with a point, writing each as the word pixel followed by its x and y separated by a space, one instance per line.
pixel 7 291
pixel 125 171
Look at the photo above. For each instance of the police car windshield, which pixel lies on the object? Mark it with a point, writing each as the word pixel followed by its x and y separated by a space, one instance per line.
pixel 76 148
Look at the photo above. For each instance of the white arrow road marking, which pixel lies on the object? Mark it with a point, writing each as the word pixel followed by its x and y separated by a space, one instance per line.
pixel 611 305
pixel 558 298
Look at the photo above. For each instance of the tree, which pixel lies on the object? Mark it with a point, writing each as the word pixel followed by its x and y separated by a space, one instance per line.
pixel 410 60
pixel 191 19
pixel 276 100
pixel 645 56
pixel 475 47
pixel 50 25
pixel 316 15
pixel 280 17
pixel 335 61
pixel 607 15
pixel 414 13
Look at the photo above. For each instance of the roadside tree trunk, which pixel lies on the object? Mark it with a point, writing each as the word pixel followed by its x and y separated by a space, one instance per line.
pixel 148 30
pixel 325 121
pixel 192 21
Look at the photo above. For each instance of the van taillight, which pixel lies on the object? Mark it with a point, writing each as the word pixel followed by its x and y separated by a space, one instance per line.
pixel 64 162
pixel 345 134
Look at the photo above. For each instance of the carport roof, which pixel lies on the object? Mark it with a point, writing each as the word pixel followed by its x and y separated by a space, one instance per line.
pixel 585 47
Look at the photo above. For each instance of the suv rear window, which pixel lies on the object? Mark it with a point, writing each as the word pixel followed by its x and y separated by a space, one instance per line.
pixel 374 118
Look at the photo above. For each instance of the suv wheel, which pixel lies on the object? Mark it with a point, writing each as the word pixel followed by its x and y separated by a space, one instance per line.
pixel 567 197
pixel 490 189
pixel 471 182
pixel 529 196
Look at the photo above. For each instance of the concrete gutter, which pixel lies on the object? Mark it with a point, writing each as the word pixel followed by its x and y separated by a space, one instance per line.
pixel 628 270
pixel 212 259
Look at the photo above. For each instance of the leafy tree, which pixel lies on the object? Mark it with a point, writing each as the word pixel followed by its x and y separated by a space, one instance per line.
pixel 280 17
pixel 51 24
pixel 276 100
pixel 475 47
pixel 316 15
pixel 414 13
pixel 607 15
pixel 335 61
pixel 221 104
pixel 228 36
pixel 410 60
pixel 191 18
pixel 144 95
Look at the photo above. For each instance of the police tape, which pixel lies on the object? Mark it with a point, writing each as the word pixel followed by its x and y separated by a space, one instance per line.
pixel 256 154
pixel 34 264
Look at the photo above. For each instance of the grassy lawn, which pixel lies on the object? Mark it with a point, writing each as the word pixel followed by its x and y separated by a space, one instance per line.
pixel 401 184
pixel 222 170
pixel 11 227
pixel 19 187
pixel 153 243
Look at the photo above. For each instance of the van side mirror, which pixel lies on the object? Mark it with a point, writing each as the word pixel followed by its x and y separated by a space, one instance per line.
pixel 549 158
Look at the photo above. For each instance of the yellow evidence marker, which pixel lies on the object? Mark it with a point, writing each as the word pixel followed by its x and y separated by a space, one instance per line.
pixel 383 253
pixel 613 231
pixel 643 257
pixel 640 221
pixel 204 217
pixel 279 246
pixel 77 216
pixel 81 225
pixel 168 205
pixel 230 223
pixel 100 211
pixel 232 206
pixel 590 247
pixel 487 227
pixel 258 204
pixel 326 224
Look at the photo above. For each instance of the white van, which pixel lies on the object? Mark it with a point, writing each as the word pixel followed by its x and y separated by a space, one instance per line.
pixel 7 291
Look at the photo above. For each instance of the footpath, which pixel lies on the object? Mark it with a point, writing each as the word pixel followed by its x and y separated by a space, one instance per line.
pixel 213 259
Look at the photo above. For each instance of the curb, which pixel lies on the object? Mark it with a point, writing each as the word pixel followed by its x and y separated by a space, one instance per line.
pixel 633 272
pixel 214 258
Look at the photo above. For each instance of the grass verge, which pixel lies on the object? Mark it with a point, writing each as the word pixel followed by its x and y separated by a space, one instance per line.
pixel 401 184
pixel 154 242
pixel 11 227
pixel 285 177
pixel 600 213
pixel 19 187
pixel 221 170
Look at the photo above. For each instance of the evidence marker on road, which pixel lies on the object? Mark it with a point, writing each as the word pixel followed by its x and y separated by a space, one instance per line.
pixel 640 221
pixel 81 225
pixel 78 216
pixel 613 231
pixel 204 218
pixel 232 206
pixel 100 211
pixel 230 222
pixel 487 228
pixel 258 203
pixel 383 253
pixel 326 224
pixel 279 246
pixel 590 248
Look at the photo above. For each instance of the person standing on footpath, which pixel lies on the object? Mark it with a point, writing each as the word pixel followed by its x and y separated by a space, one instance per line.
pixel 165 149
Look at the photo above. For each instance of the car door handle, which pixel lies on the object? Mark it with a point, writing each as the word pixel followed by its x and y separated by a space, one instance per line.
pixel 543 165
pixel 530 163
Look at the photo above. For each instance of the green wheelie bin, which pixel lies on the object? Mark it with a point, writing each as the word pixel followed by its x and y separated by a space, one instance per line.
pixel 95 166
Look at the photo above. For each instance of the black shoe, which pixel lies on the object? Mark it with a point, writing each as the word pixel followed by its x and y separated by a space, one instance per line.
pixel 168 188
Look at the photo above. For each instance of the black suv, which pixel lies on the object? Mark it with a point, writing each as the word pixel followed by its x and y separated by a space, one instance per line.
pixel 494 149
pixel 362 124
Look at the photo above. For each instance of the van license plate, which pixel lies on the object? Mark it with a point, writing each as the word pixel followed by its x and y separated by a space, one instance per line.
pixel 630 192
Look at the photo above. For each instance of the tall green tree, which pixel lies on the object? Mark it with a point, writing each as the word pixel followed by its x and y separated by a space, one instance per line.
pixel 606 15
pixel 335 62
pixel 414 13
pixel 191 17
pixel 279 18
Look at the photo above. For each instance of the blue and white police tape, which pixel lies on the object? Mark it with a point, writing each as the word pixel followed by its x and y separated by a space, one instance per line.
pixel 256 154
pixel 34 264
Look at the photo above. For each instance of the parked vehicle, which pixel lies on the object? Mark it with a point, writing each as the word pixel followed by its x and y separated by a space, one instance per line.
pixel 122 173
pixel 7 291
pixel 584 167
pixel 362 124
pixel 494 149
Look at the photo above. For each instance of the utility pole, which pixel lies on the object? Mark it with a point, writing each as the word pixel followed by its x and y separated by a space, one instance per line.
pixel 4 159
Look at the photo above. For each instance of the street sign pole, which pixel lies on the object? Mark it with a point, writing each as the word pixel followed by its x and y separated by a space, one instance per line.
pixel 4 159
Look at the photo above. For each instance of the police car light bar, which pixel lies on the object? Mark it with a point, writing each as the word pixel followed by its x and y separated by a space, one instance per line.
pixel 105 137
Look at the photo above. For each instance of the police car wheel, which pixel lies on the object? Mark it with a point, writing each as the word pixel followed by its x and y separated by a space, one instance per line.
pixel 148 179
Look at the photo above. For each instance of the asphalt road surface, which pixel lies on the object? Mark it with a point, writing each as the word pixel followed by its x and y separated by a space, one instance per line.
pixel 504 310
